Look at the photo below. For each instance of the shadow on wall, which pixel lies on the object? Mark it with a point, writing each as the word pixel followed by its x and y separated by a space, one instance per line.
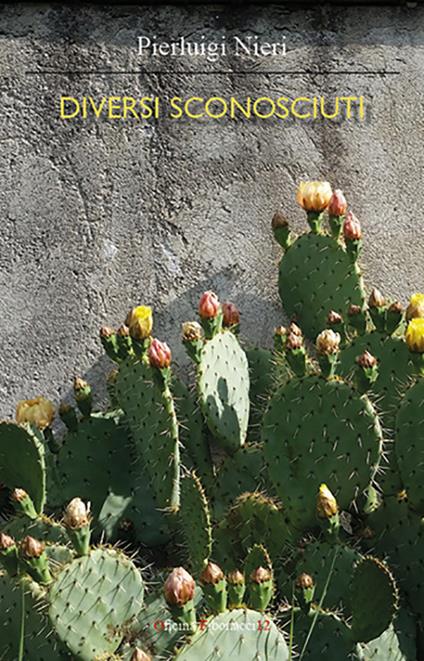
pixel 167 326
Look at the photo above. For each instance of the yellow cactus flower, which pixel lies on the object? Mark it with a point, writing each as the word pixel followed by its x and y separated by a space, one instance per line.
pixel 140 322
pixel 415 335
pixel 416 307
pixel 326 503
pixel 314 195
pixel 38 412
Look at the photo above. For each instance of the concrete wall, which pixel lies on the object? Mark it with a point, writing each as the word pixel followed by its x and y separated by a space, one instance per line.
pixel 98 216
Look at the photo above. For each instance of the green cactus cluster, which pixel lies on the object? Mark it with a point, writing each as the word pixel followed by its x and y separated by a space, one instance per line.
pixel 268 509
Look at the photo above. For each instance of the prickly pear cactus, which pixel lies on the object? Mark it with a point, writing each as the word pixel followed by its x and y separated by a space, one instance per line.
pixel 22 461
pixel 395 369
pixel 397 643
pixel 154 429
pixel 317 275
pixel 96 462
pixel 13 595
pixel 240 634
pixel 397 533
pixel 316 560
pixel 223 384
pixel 288 484
pixel 196 522
pixel 409 445
pixel 330 638
pixel 374 599
pixel 317 431
pixel 245 471
pixel 265 372
pixel 196 453
pixel 92 601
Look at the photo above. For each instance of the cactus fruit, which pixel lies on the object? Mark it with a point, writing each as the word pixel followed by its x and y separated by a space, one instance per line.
pixel 91 601
pixel 223 385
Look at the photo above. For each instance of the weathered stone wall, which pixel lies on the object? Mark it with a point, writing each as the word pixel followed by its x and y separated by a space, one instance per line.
pixel 97 216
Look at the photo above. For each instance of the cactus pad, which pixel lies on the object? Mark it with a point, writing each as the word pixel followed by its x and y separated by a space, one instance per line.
pixel 244 471
pixel 374 599
pixel 196 523
pixel 240 635
pixel 330 638
pixel 409 444
pixel 37 645
pixel 96 464
pixel 253 517
pixel 395 370
pixel 316 276
pixel 193 434
pixel 316 560
pixel 397 643
pixel 223 384
pixel 399 536
pixel 153 427
pixel 263 378
pixel 22 461
pixel 317 431
pixel 92 600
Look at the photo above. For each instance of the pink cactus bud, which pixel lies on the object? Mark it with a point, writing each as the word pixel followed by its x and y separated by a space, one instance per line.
pixel 105 331
pixel 208 305
pixel 376 299
pixel 354 310
pixel 159 354
pixel 123 331
pixel 352 228
pixel 305 581
pixel 179 587
pixel 279 220
pixel 18 495
pixel 294 342
pixel 338 204
pixel 260 575
pixel 211 574
pixel 366 360
pixel 328 342
pixel 32 548
pixel 235 577
pixel 334 318
pixel 231 314
pixel 6 542
pixel 294 330
pixel 396 308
